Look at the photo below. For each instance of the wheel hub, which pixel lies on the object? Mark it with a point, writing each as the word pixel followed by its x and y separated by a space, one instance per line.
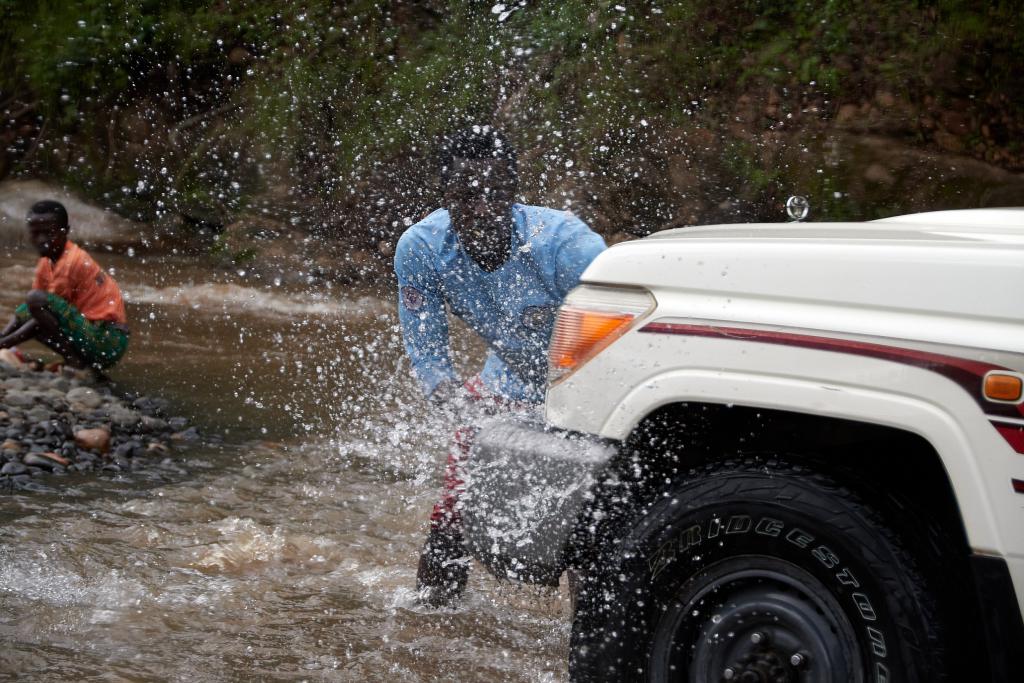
pixel 764 666
pixel 756 620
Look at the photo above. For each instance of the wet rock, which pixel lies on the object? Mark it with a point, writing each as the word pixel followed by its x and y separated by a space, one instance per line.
pixel 49 460
pixel 21 399
pixel 177 423
pixel 190 434
pixel 150 406
pixel 58 428
pixel 96 439
pixel 61 384
pixel 153 424
pixel 38 414
pixel 13 469
pixel 85 397
pixel 128 450
pixel 123 417
pixel 168 464
pixel 156 447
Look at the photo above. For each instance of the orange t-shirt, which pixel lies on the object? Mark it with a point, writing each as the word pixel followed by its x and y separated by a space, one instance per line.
pixel 80 281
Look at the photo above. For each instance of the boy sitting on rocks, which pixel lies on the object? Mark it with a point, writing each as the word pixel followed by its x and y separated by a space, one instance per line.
pixel 75 307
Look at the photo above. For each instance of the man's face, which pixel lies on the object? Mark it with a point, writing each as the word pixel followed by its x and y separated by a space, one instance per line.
pixel 479 198
pixel 46 235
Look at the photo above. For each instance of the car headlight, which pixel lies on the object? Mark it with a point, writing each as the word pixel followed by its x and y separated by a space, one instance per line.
pixel 591 318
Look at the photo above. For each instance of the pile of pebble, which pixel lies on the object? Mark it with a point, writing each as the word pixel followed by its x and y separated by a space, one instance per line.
pixel 64 422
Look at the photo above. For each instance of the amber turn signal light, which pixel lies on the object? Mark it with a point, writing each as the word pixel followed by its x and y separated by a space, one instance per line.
pixel 1001 386
pixel 579 334
pixel 592 317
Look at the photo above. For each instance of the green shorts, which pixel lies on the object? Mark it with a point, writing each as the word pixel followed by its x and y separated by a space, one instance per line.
pixel 100 343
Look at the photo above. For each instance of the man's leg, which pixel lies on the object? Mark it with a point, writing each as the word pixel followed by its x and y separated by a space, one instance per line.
pixel 444 567
pixel 49 330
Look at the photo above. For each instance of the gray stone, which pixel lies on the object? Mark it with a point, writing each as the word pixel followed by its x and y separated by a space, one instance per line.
pixel 37 460
pixel 83 399
pixel 21 399
pixel 61 384
pixel 150 406
pixel 190 434
pixel 129 450
pixel 154 424
pixel 13 469
pixel 123 417
pixel 38 414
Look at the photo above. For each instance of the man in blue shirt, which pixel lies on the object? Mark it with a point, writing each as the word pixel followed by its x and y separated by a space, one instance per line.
pixel 501 267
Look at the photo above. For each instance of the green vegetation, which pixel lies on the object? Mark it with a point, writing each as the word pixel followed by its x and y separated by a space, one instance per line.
pixel 204 107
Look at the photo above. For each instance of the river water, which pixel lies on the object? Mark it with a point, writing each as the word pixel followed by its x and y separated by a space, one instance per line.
pixel 289 552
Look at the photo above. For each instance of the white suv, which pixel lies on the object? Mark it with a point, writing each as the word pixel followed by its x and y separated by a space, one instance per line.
pixel 779 452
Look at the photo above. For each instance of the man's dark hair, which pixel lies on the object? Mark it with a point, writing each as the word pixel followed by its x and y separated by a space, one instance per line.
pixel 49 207
pixel 476 142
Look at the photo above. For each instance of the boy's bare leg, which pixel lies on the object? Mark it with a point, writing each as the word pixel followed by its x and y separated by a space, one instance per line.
pixel 48 330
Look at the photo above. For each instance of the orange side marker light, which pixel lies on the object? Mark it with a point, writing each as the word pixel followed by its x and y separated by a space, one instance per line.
pixel 1000 386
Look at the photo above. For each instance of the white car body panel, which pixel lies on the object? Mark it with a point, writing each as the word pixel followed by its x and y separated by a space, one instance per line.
pixel 948 283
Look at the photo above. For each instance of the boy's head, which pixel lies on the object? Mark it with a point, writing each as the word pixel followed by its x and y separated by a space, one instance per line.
pixel 48 227
pixel 478 174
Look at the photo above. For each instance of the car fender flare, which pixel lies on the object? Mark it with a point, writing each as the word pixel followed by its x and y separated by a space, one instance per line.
pixel 914 414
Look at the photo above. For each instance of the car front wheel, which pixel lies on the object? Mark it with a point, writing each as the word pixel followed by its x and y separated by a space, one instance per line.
pixel 759 572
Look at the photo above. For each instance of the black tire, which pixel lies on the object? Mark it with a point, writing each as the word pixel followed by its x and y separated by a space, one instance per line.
pixel 744 566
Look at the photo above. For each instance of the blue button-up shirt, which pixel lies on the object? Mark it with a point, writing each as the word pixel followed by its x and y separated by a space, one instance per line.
pixel 512 308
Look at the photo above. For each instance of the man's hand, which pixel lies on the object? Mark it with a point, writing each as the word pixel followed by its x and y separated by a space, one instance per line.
pixel 448 392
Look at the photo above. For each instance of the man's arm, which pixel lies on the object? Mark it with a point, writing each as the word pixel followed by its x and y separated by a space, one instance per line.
pixel 14 335
pixel 581 246
pixel 10 327
pixel 422 315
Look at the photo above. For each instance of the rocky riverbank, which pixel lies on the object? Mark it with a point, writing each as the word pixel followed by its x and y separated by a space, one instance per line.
pixel 66 422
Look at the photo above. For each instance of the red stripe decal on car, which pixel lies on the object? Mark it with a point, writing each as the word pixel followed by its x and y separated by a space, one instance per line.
pixel 1013 433
pixel 964 371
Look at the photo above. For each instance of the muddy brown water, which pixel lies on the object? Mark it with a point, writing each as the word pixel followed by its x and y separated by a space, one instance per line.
pixel 286 554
